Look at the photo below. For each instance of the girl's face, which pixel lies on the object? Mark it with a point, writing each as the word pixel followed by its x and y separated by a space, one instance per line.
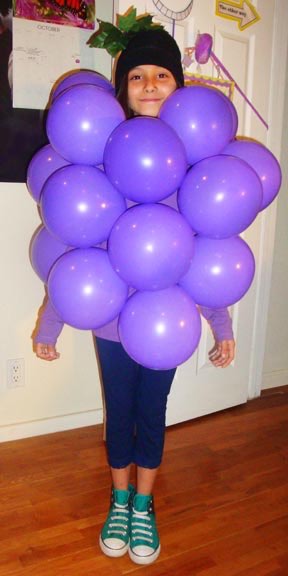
pixel 148 88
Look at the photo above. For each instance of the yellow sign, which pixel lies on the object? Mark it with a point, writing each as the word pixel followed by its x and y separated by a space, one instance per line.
pixel 243 12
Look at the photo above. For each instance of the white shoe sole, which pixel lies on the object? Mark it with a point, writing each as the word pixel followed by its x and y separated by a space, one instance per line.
pixel 112 552
pixel 144 559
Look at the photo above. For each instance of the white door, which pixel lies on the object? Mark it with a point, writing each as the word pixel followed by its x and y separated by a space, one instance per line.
pixel 199 388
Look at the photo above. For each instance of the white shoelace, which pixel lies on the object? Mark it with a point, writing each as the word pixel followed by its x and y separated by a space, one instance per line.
pixel 118 513
pixel 144 530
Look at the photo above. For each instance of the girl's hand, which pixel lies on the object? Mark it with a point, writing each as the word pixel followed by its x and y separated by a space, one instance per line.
pixel 46 352
pixel 222 353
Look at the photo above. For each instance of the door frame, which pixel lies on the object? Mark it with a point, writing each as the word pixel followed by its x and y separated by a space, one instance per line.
pixel 278 81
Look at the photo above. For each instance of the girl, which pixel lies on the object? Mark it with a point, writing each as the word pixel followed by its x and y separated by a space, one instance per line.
pixel 147 72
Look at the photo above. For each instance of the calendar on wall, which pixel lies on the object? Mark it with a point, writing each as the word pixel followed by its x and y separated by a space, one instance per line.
pixel 49 43
pixel 44 48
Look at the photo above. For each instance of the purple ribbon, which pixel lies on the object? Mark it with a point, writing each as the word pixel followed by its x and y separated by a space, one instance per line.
pixel 217 61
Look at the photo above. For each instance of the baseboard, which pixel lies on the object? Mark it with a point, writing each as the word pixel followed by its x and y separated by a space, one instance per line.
pixel 50 425
pixel 274 379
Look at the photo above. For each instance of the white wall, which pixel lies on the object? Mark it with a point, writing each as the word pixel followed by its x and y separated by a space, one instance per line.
pixel 275 370
pixel 58 395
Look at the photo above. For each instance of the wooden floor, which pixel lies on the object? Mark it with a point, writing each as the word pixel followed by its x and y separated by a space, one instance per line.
pixel 221 499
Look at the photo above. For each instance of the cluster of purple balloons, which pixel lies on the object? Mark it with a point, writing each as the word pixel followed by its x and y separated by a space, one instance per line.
pixel 152 204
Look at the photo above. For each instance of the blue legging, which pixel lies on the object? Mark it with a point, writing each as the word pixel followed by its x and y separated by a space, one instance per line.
pixel 136 399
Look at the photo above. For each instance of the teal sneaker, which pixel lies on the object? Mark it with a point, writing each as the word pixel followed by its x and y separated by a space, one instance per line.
pixel 114 537
pixel 144 540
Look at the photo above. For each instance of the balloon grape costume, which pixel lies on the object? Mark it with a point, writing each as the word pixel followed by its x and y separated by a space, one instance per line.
pixel 158 263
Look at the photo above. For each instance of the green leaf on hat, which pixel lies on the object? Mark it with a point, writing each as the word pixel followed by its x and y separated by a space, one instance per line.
pixel 113 38
pixel 108 37
pixel 127 22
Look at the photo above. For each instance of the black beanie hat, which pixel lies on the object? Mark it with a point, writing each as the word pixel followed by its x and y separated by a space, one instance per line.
pixel 150 47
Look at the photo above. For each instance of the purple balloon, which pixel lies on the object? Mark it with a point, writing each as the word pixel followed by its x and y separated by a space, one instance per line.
pixel 263 162
pixel 45 249
pixel 220 196
pixel 79 205
pixel 220 273
pixel 84 289
pixel 233 112
pixel 234 117
pixel 43 164
pixel 80 121
pixel 202 117
pixel 145 159
pixel 160 329
pixel 151 246
pixel 82 77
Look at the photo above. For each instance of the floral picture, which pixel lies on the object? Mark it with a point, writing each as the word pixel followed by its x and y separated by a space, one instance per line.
pixel 79 13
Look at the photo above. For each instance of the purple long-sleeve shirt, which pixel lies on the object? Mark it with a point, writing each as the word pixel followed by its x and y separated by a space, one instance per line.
pixel 50 325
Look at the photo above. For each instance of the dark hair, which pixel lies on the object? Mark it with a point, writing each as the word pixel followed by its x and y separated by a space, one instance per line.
pixel 122 94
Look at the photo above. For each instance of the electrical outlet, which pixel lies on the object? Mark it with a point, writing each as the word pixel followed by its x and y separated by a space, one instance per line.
pixel 15 373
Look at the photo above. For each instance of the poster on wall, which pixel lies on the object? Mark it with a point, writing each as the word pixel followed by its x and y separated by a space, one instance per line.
pixel 43 50
pixel 49 39
pixel 22 131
